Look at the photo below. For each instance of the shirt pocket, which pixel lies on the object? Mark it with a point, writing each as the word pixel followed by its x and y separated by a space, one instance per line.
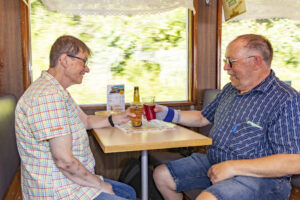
pixel 246 137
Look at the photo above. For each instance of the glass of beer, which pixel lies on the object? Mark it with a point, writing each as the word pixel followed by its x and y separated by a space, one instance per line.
pixel 137 109
pixel 149 105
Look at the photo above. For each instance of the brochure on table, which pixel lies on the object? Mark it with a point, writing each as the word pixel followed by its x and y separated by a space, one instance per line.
pixel 115 98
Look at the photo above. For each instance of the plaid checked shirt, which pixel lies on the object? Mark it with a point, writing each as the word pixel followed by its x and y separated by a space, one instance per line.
pixel 46 110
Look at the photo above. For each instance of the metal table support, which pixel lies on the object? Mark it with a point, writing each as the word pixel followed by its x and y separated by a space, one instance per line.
pixel 144 175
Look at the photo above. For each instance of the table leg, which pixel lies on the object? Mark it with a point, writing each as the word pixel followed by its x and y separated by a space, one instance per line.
pixel 144 175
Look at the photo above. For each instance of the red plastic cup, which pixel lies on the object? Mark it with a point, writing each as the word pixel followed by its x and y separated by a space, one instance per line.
pixel 149 105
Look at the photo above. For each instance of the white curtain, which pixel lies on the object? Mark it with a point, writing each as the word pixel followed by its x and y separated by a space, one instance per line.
pixel 116 7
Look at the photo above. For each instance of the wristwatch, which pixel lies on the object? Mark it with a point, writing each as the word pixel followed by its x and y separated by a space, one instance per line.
pixel 111 121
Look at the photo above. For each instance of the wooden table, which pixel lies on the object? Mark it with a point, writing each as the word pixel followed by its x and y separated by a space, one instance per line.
pixel 115 140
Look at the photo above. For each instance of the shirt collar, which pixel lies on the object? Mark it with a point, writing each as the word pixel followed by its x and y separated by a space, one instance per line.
pixel 262 86
pixel 266 84
pixel 55 83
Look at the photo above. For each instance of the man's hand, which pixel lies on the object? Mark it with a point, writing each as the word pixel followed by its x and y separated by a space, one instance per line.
pixel 220 172
pixel 122 117
pixel 106 187
pixel 158 108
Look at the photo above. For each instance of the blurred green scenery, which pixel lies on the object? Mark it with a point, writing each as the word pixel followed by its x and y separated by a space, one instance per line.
pixel 284 34
pixel 149 51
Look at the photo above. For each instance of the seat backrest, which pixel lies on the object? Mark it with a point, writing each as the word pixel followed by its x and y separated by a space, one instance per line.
pixel 208 96
pixel 9 157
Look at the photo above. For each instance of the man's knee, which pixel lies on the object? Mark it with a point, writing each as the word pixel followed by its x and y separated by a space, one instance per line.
pixel 159 173
pixel 162 176
pixel 165 183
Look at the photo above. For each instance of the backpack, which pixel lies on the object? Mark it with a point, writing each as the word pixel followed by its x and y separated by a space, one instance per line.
pixel 131 175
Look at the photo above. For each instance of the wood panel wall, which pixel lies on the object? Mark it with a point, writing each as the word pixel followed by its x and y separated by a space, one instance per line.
pixel 207 57
pixel 11 70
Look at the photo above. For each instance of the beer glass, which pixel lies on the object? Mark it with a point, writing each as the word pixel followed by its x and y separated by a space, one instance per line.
pixel 137 109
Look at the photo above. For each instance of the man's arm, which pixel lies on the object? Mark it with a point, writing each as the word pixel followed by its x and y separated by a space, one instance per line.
pixel 277 165
pixel 61 149
pixel 193 118
pixel 95 121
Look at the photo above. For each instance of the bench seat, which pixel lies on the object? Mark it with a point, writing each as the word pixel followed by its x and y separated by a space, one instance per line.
pixel 9 157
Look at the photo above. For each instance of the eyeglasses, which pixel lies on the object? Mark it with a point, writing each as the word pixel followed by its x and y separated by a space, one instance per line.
pixel 84 60
pixel 229 61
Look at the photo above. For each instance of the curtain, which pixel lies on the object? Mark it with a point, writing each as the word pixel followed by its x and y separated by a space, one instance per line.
pixel 116 7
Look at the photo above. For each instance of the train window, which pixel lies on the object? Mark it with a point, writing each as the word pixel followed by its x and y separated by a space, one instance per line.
pixel 149 51
pixel 284 36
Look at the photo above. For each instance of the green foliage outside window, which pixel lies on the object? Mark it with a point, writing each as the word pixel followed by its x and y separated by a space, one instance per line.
pixel 149 51
pixel 284 34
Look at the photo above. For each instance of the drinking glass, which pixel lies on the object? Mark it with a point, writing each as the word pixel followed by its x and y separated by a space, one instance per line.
pixel 137 109
pixel 149 105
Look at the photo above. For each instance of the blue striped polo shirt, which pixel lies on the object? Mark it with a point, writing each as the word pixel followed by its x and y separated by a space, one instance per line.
pixel 261 122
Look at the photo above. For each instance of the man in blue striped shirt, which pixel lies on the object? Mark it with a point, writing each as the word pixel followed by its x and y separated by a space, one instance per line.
pixel 255 133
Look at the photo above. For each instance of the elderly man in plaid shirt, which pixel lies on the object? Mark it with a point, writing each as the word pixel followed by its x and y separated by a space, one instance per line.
pixel 56 159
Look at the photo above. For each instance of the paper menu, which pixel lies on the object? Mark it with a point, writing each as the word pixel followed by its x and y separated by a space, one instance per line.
pixel 152 126
pixel 115 98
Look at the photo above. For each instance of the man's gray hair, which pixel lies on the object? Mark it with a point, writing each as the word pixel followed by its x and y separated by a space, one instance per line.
pixel 66 44
pixel 258 43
